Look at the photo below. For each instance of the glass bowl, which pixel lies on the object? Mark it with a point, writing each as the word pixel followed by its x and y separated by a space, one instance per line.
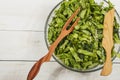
pixel 51 15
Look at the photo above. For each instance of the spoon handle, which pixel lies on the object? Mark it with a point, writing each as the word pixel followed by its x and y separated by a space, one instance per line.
pixel 107 69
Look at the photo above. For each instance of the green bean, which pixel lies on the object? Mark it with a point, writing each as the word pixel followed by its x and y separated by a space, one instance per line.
pixel 82 49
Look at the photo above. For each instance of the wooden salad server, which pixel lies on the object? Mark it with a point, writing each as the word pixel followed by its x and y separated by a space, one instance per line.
pixel 35 69
pixel 107 41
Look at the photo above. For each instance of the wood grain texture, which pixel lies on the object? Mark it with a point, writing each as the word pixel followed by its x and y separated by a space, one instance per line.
pixel 22 25
pixel 25 14
pixel 60 73
pixel 51 71
pixel 22 45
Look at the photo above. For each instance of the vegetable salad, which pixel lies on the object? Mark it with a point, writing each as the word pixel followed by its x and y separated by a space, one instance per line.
pixel 82 49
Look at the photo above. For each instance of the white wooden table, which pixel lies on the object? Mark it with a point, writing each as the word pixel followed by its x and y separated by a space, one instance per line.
pixel 22 43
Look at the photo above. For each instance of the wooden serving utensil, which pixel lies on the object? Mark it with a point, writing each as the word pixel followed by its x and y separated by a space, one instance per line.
pixel 107 41
pixel 35 69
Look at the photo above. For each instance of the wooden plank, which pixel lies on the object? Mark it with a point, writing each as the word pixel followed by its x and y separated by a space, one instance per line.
pixel 14 70
pixel 22 45
pixel 29 14
pixel 51 71
pixel 25 14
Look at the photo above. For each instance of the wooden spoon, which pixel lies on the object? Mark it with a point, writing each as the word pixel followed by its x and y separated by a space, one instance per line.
pixel 35 69
pixel 107 41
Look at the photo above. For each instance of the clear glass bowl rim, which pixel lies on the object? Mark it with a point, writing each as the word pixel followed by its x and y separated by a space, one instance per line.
pixel 69 68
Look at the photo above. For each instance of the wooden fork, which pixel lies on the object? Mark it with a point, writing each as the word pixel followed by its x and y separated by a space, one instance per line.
pixel 64 32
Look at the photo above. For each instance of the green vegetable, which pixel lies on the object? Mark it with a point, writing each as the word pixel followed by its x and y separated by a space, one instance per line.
pixel 82 49
pixel 82 14
pixel 85 52
pixel 75 55
pixel 118 55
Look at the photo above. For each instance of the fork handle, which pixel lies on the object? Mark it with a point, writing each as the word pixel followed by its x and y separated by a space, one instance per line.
pixel 36 67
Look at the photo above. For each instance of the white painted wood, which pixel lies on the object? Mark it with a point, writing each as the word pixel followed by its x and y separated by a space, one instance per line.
pixel 14 70
pixel 22 45
pixel 51 71
pixel 25 14
pixel 29 14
